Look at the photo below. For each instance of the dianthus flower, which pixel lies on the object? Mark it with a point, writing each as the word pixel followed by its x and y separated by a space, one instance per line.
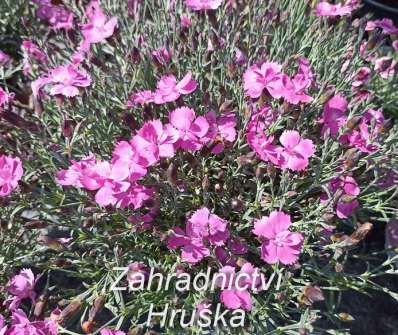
pixel 387 26
pixel 333 116
pixel 327 9
pixel 21 286
pixel 203 4
pixel 169 90
pixel 220 131
pixel 32 52
pixel 11 172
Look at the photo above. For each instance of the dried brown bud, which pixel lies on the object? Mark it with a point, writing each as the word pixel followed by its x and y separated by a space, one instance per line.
pixel 97 307
pixel 35 224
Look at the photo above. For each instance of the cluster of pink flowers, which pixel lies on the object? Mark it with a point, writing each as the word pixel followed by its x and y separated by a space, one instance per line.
pixel 11 172
pixel 203 229
pixel 345 189
pixel 294 152
pixel 278 243
pixel 116 181
pixel 269 76
pixel 167 90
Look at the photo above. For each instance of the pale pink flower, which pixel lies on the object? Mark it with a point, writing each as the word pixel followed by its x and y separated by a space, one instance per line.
pixel 387 26
pixel 279 244
pixel 21 286
pixel 203 4
pixel 237 286
pixel 191 129
pixel 155 140
pixel 256 78
pixel 99 26
pixel 324 8
pixel 4 58
pixel 64 80
pixel 140 98
pixel 169 90
pixel 296 150
pixel 334 115
pixel 11 172
pixel 126 157
pixel 385 66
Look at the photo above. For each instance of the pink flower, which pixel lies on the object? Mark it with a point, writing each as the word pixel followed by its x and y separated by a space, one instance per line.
pixel 395 45
pixel 71 176
pixel 5 98
pixel 385 66
pixel 296 150
pixel 32 51
pixel 333 116
pixel 201 227
pixel 256 78
pixel 99 27
pixel 168 90
pixel 291 90
pixel 203 4
pixel 279 244
pixel 220 131
pixel 387 26
pixel 107 331
pixel 65 80
pixel 162 55
pixel 362 77
pixel 155 140
pixel 124 157
pixel 326 9
pixel 134 196
pixel 240 57
pixel 22 325
pixel 140 98
pixel 366 137
pixel 185 22
pixel 11 172
pixel 21 286
pixel 136 271
pixel 237 286
pixel 190 129
pixel 346 204
pixel 3 326
pixel 58 17
pixel 4 58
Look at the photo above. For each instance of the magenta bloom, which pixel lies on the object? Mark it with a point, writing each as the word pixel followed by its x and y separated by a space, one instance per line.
pixel 21 325
pixel 71 176
pixel 203 4
pixel 326 9
pixel 279 244
pixel 362 77
pixel 32 52
pixel 220 131
pixel 5 98
pixel 201 227
pixel 155 140
pixel 58 17
pixel 64 80
pixel 256 78
pixel 296 150
pixel 99 26
pixel 185 22
pixel 140 98
pixel 4 58
pixel 168 90
pixel 385 66
pixel 333 116
pixel 387 26
pixel 3 326
pixel 11 172
pixel 237 286
pixel 21 286
pixel 162 55
pixel 190 129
